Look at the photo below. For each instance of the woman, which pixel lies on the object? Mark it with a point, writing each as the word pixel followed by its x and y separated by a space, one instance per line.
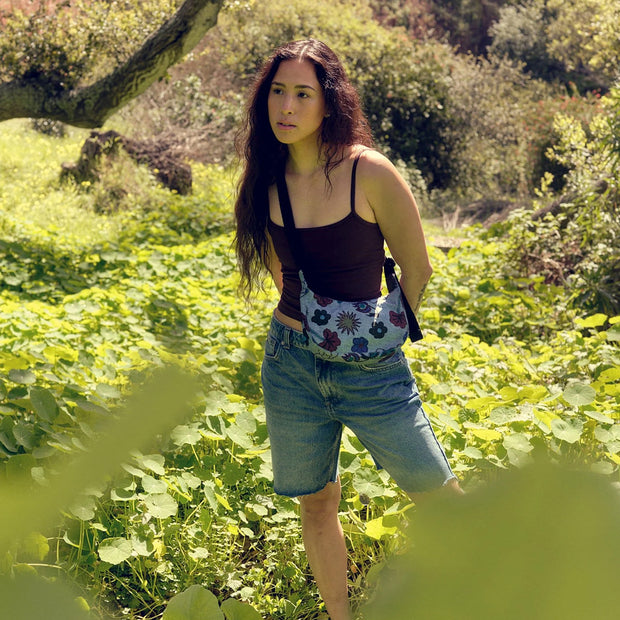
pixel 304 119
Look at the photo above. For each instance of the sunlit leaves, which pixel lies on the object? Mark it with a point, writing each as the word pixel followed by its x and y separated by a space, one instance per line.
pixel 506 373
pixel 195 603
pixel 24 377
pixel 160 505
pixel 377 528
pixel 115 550
pixel 579 394
pixel 185 434
pixel 567 430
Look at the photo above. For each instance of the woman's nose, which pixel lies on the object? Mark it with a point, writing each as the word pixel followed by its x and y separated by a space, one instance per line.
pixel 287 104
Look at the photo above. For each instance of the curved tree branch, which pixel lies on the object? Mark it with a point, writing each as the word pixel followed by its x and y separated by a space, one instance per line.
pixel 91 105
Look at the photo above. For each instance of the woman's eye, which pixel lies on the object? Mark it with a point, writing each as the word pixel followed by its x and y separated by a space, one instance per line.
pixel 302 95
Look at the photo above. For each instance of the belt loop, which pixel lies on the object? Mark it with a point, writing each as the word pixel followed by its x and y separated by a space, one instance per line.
pixel 286 337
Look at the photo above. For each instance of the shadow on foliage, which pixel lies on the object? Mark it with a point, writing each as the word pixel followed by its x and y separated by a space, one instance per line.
pixel 35 271
pixel 169 322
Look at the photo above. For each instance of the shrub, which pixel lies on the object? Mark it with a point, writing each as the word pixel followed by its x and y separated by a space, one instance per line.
pixel 75 41
pixel 576 243
pixel 542 33
pixel 520 34
pixel 591 51
pixel 490 102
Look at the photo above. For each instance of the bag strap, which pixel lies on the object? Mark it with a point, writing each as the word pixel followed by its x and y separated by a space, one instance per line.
pixel 391 279
pixel 292 234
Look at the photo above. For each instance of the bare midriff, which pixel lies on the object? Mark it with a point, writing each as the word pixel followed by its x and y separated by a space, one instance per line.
pixel 288 321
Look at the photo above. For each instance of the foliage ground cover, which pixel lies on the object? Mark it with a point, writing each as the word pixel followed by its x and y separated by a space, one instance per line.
pixel 93 305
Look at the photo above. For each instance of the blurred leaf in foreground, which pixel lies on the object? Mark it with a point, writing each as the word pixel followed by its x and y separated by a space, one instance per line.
pixel 542 543
pixel 154 409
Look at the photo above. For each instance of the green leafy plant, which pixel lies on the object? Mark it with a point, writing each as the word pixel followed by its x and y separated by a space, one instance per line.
pixel 510 370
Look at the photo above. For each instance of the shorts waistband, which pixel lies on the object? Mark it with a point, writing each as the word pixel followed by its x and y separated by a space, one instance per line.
pixel 287 335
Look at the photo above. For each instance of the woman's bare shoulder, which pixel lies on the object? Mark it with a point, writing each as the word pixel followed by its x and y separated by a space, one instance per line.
pixel 376 169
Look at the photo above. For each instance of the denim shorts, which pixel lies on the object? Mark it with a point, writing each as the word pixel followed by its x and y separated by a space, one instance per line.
pixel 308 400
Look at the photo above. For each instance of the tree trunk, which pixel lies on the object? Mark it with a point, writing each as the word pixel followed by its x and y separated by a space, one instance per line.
pixel 91 105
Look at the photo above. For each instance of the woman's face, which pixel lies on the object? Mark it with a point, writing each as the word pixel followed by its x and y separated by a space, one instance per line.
pixel 296 104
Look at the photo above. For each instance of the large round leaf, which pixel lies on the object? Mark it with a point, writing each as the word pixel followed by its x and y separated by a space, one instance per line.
pixel 579 394
pixel 517 441
pixel 567 431
pixel 195 603
pixel 115 550
pixel 161 505
pixel 184 434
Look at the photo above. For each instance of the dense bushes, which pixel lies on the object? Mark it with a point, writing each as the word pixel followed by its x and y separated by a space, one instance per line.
pixel 542 34
pixel 424 102
pixel 465 124
pixel 471 127
pixel 573 240
pixel 521 34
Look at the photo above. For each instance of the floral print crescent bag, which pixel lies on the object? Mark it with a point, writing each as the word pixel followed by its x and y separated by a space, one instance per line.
pixel 350 331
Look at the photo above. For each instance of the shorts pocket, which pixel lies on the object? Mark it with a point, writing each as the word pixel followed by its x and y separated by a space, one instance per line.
pixel 272 347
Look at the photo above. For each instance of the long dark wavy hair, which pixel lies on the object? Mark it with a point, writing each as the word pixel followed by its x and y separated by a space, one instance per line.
pixel 344 125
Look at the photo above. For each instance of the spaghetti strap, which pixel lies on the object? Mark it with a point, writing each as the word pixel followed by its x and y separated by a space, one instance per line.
pixel 353 172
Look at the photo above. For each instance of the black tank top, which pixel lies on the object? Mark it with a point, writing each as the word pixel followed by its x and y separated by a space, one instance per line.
pixel 345 260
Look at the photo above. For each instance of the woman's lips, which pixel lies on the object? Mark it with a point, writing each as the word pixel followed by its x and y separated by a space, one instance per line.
pixel 283 125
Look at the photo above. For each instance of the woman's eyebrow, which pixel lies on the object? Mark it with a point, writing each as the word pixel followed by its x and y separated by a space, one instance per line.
pixel 296 86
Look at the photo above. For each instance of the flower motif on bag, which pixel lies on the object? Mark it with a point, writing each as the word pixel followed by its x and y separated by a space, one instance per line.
pixel 331 342
pixel 363 306
pixel 348 322
pixel 378 329
pixel 321 317
pixel 323 301
pixel 399 319
pixel 360 345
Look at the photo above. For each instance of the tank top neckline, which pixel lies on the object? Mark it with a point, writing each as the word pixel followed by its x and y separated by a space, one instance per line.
pixel 352 212
pixel 346 218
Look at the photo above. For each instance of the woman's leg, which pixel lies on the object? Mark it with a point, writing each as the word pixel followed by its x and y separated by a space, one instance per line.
pixel 326 548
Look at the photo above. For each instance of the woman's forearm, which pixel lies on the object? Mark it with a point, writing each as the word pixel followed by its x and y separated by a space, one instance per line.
pixel 414 286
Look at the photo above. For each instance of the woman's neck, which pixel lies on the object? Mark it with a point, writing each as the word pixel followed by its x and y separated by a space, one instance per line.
pixel 304 161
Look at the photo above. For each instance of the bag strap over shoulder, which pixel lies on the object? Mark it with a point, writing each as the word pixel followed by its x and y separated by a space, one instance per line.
pixel 292 234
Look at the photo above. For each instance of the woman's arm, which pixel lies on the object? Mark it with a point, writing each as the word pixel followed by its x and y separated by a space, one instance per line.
pixel 398 217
